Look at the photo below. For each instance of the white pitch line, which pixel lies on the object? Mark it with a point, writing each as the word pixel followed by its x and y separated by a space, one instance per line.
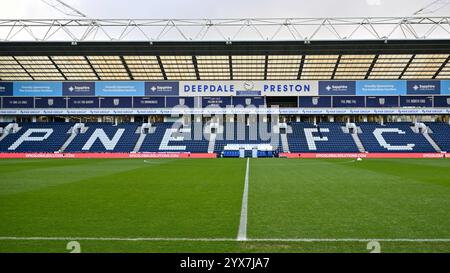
pixel 304 240
pixel 112 239
pixel 242 234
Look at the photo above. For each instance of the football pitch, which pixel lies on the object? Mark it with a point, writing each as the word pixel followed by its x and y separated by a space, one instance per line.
pixel 225 205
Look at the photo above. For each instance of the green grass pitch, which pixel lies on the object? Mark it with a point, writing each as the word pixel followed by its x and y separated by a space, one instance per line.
pixel 194 205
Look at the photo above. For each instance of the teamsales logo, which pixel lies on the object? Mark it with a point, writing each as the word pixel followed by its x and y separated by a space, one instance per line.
pixel 78 88
pixel 424 87
pixel 333 87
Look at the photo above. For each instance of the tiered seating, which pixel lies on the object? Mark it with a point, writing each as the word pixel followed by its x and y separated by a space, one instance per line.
pixel 3 124
pixel 326 137
pixel 246 136
pixel 441 135
pixel 305 137
pixel 35 141
pixel 186 139
pixel 399 137
pixel 126 142
pixel 297 140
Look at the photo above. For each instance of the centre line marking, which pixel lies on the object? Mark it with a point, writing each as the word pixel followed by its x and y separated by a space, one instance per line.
pixel 242 234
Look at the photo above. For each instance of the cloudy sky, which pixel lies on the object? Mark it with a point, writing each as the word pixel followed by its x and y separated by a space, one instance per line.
pixel 150 9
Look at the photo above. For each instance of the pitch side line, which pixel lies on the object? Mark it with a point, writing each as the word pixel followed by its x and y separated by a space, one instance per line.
pixel 304 240
pixel 242 234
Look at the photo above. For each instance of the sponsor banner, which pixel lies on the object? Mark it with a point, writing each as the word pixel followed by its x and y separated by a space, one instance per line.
pixel 148 102
pixel 162 88
pixel 38 89
pixel 124 88
pixel 445 87
pixel 348 101
pixel 248 88
pixel 337 88
pixel 416 101
pixel 225 88
pixel 213 155
pixel 6 89
pixel 107 155
pixel 216 101
pixel 83 102
pixel 314 101
pixel 178 101
pixel 374 88
pixel 384 101
pixel 49 102
pixel 442 101
pixel 230 110
pixel 77 89
pixel 246 101
pixel 12 102
pixel 362 155
pixel 116 102
pixel 423 87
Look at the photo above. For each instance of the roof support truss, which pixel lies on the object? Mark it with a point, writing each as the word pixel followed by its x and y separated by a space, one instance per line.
pixel 227 30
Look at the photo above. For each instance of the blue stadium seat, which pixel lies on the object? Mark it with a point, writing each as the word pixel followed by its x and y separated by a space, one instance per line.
pixel 45 137
pixel 399 137
pixel 327 137
pixel 3 124
pixel 125 144
pixel 186 140
pixel 230 153
pixel 243 134
pixel 440 135
pixel 305 137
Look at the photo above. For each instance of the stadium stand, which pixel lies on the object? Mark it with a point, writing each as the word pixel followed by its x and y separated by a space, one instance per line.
pixel 326 137
pixel 105 137
pixel 174 137
pixel 248 137
pixel 36 137
pixel 226 141
pixel 441 134
pixel 393 137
